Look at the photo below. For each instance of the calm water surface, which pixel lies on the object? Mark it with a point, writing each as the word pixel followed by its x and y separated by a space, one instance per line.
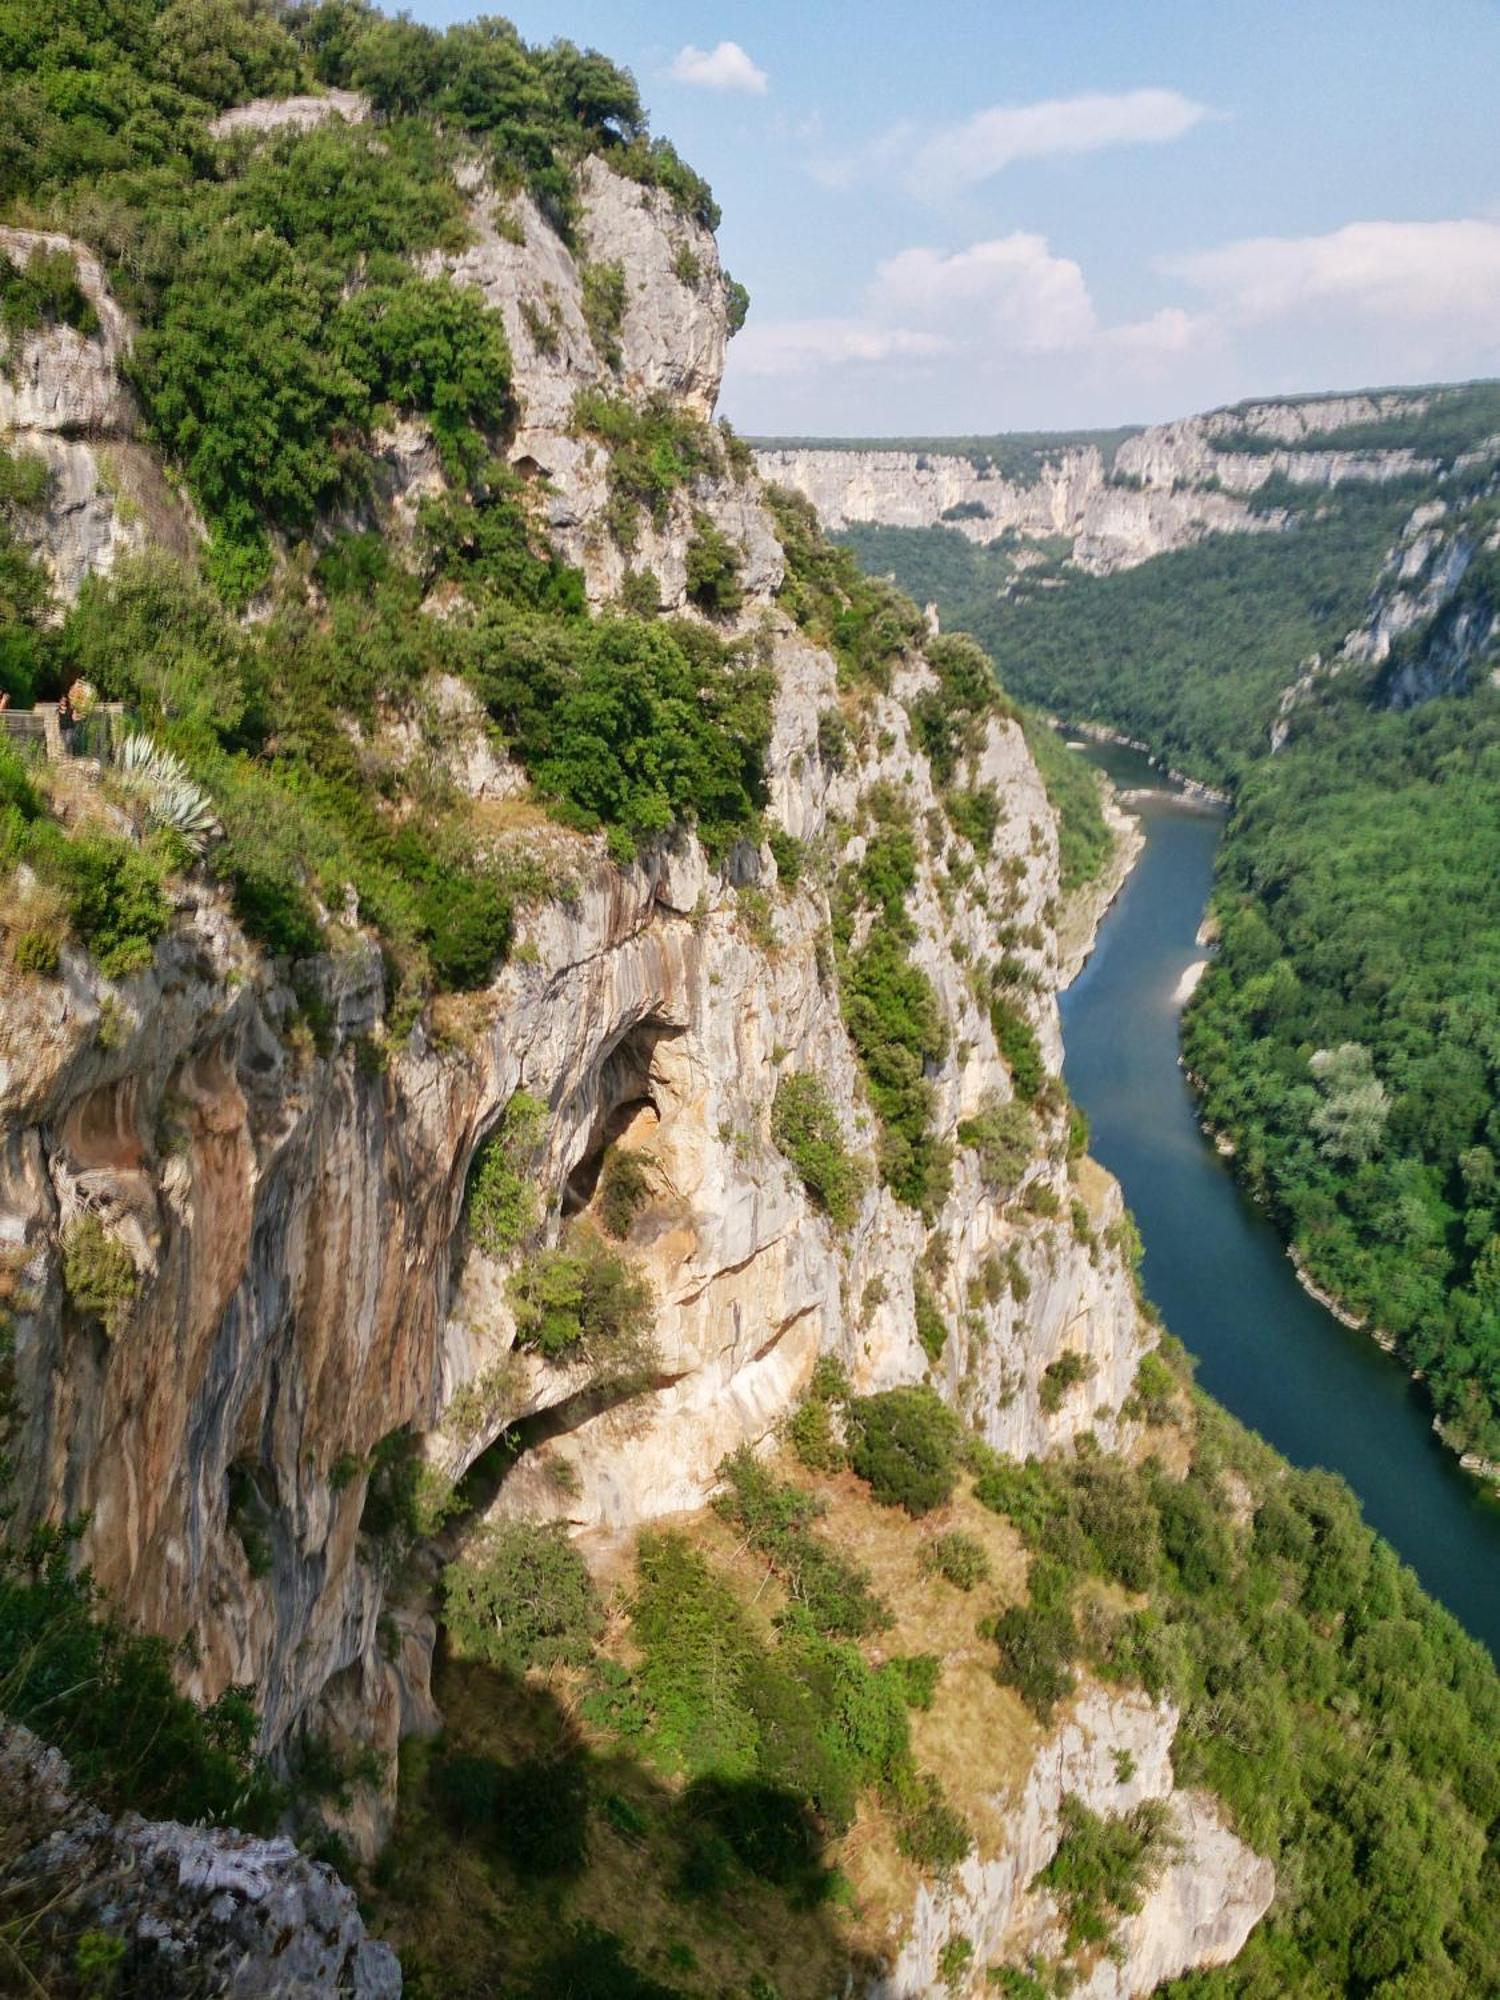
pixel 1320 1392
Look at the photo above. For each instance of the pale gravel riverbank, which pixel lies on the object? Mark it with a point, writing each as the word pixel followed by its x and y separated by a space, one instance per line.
pixel 1086 908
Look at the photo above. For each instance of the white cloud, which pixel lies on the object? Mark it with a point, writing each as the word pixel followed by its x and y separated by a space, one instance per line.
pixel 1011 287
pixel 1005 332
pixel 1402 273
pixel 726 67
pixel 964 155
pixel 809 346
pixel 946 162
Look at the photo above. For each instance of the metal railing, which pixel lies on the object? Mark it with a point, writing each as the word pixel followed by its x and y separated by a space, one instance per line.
pixel 96 736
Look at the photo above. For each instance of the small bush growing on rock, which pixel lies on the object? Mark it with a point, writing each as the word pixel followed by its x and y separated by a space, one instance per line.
pixel 502 1202
pixel 1102 1867
pixel 603 288
pixel 626 1184
pixel 640 593
pixel 958 1558
pixel 1018 1044
pixel 583 1301
pixel 904 1443
pixel 932 1328
pixel 1061 1375
pixel 789 854
pixel 98 1275
pixel 713 570
pixel 522 1597
pixel 1003 1138
pixel 954 1960
pixel 813 1439
pixel 975 816
pixel 805 1127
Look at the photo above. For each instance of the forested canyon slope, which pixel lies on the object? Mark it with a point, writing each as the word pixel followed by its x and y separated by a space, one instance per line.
pixel 1338 675
pixel 547 1270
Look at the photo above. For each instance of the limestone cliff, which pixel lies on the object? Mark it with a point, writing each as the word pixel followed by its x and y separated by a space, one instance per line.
pixel 1164 487
pixel 292 1202
pixel 1433 622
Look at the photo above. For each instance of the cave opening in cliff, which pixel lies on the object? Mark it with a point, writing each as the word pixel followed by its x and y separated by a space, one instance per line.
pixel 627 1092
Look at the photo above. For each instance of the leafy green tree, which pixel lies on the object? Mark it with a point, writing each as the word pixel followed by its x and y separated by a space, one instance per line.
pixel 522 1597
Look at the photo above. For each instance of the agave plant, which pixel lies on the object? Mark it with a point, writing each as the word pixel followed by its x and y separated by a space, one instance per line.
pixel 167 793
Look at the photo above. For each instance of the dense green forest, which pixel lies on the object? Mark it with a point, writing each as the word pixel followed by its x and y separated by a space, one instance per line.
pixel 1347 1036
pixel 1187 652
pixel 282 320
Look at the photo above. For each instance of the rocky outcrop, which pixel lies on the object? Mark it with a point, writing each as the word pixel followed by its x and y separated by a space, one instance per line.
pixel 1111 1753
pixel 1433 623
pixel 63 401
pixel 191 1909
pixel 291 114
pixel 1165 487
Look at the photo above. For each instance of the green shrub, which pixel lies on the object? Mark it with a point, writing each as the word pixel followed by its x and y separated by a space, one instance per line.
pixel 835 1596
pixel 904 1443
pixel 583 1301
pixel 1038 1643
pixel 44 291
pixel 99 1275
pixel 954 1961
pixel 640 593
pixel 38 952
pixel 813 1439
pixel 631 726
pixel 1061 1376
pixel 603 291
pixel 713 570
pixel 771 1831
pixel 898 1027
pixel 627 1183
pixel 1017 1042
pixel 928 1830
pixel 932 1328
pixel 975 816
pixel 522 1597
pixel 866 624
pixel 106 1696
pixel 655 449
pixel 1103 1867
pixel 1003 1138
pixel 501 1204
pixel 959 1558
pixel 918 1675
pixel 806 1128
pixel 116 902
pixel 790 855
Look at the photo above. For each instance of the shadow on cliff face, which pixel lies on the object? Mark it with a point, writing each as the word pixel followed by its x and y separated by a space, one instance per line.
pixel 529 1862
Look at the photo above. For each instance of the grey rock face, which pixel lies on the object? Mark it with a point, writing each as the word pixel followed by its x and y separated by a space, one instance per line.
pixel 1168 486
pixel 63 401
pixel 200 1911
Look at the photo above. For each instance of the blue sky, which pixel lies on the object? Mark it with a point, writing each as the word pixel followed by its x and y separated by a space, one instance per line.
pixel 1034 214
